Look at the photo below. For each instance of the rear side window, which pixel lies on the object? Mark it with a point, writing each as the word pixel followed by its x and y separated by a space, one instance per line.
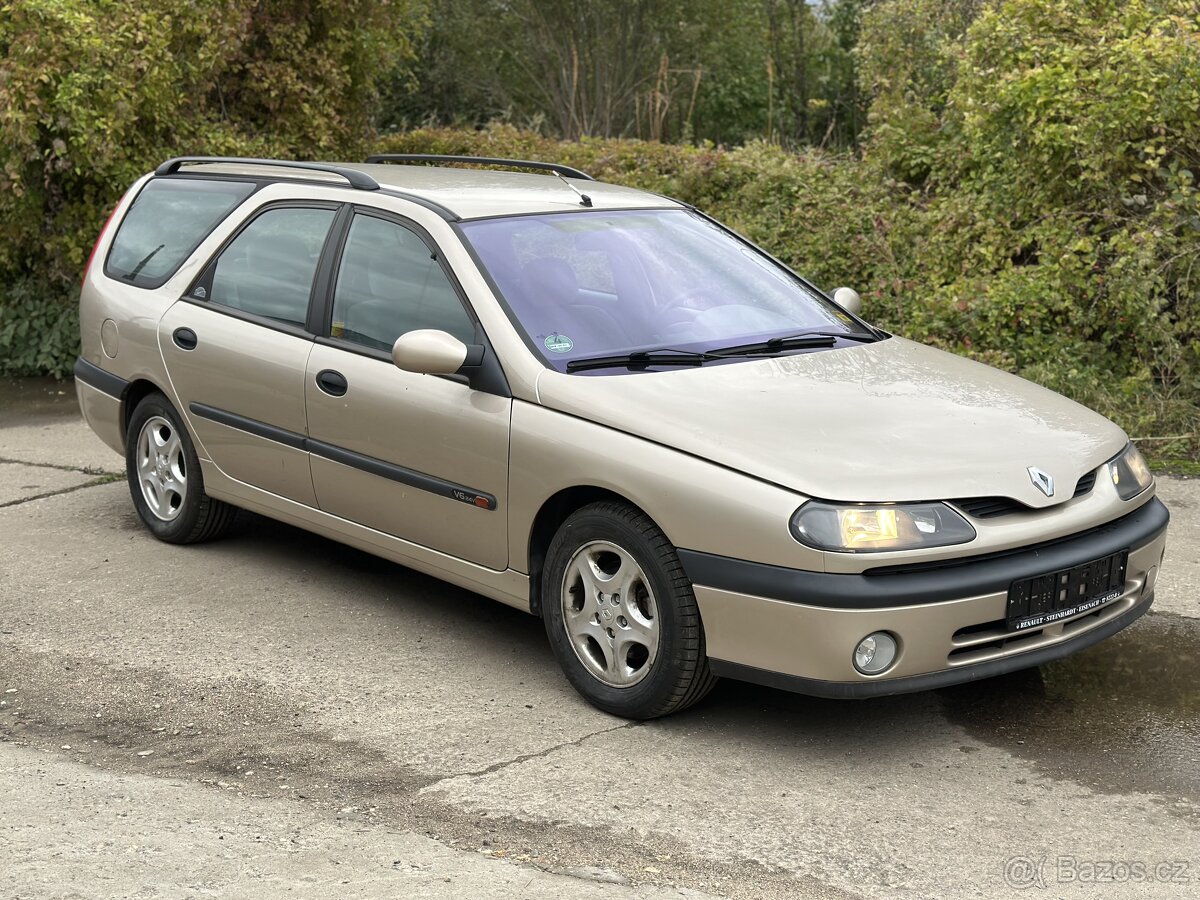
pixel 167 221
pixel 268 269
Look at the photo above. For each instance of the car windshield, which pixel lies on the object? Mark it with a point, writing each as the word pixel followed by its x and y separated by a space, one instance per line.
pixel 589 284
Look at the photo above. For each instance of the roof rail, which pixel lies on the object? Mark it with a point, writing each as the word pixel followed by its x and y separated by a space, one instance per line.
pixel 358 180
pixel 482 161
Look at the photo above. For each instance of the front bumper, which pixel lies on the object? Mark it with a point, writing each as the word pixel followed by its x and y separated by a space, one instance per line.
pixel 797 630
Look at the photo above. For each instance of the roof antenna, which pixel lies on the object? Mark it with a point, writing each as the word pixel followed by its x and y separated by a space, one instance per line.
pixel 584 199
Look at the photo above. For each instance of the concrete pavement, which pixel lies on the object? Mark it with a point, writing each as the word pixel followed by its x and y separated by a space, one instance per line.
pixel 277 714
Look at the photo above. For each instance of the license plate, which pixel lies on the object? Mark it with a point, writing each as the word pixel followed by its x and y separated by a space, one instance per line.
pixel 1043 599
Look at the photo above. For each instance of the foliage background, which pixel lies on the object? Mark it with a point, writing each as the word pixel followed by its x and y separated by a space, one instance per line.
pixel 1014 180
pixel 94 93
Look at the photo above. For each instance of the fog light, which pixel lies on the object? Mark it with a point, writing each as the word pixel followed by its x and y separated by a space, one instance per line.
pixel 875 653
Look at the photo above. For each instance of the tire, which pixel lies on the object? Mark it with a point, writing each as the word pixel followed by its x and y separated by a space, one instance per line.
pixel 640 655
pixel 165 480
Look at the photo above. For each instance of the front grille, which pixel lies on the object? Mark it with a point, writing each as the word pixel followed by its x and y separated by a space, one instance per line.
pixel 1085 484
pixel 987 507
pixel 990 507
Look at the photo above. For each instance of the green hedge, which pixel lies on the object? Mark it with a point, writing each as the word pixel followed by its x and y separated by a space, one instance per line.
pixel 94 93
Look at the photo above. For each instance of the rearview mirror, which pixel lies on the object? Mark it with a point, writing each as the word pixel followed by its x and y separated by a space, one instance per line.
pixel 429 352
pixel 848 299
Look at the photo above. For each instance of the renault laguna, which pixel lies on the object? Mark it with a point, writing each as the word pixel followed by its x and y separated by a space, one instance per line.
pixel 601 406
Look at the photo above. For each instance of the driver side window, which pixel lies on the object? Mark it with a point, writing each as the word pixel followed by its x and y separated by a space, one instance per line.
pixel 388 284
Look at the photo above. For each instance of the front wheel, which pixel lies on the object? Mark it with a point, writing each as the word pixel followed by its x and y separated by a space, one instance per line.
pixel 621 615
pixel 165 480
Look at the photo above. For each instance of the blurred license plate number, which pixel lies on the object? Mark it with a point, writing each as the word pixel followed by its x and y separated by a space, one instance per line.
pixel 1044 599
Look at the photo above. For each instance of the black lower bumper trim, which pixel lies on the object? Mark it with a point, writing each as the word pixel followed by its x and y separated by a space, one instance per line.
pixel 854 690
pixel 921 584
pixel 94 376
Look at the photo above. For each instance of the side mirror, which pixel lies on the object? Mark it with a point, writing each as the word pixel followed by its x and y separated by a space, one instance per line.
pixel 848 299
pixel 429 352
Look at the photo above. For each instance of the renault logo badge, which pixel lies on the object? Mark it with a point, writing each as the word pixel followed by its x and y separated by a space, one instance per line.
pixel 1043 481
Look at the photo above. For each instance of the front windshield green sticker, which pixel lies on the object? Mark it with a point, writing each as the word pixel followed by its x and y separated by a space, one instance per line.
pixel 558 343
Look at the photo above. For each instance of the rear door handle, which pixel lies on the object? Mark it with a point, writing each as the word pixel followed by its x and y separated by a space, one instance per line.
pixel 185 338
pixel 332 383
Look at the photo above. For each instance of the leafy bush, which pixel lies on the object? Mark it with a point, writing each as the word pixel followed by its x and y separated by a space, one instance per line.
pixel 37 335
pixel 97 92
pixel 1063 204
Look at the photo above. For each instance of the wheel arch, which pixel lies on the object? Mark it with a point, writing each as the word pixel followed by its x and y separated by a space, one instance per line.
pixel 550 516
pixel 134 393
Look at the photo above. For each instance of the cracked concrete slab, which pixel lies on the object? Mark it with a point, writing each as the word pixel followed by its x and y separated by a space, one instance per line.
pixel 69 830
pixel 70 443
pixel 41 424
pixel 20 482
pixel 257 742
pixel 857 799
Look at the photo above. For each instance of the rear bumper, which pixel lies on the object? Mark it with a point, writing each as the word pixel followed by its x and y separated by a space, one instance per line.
pixel 95 377
pixel 797 630
pixel 100 394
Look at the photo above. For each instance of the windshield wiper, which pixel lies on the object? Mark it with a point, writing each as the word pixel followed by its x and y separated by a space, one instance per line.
pixel 670 357
pixel 862 336
pixel 641 358
pixel 137 270
pixel 804 341
pixel 779 344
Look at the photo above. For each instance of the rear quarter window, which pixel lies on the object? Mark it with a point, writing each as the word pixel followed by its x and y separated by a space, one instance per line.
pixel 167 221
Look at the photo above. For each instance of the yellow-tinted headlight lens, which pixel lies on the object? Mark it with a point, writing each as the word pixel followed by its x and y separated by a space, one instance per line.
pixel 866 529
pixel 1130 474
pixel 870 526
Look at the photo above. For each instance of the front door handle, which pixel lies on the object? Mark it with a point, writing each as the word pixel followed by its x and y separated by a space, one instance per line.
pixel 332 383
pixel 185 338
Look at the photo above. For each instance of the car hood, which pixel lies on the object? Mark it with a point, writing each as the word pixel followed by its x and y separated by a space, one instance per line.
pixel 887 421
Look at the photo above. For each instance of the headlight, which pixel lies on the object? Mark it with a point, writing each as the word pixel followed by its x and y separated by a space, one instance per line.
pixel 871 529
pixel 1130 474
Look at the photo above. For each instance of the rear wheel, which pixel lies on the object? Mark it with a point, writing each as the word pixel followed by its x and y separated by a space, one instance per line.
pixel 621 615
pixel 165 479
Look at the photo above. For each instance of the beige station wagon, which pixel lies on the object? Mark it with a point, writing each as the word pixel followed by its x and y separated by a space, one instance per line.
pixel 601 406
